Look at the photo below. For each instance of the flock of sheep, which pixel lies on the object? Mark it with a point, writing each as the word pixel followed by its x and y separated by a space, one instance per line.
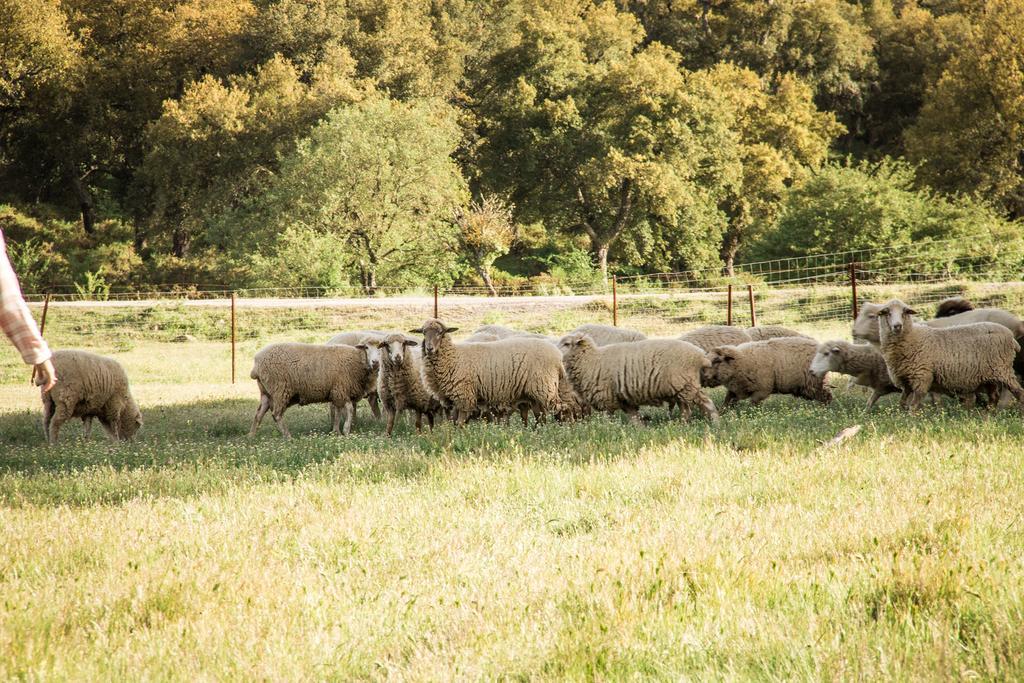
pixel 965 352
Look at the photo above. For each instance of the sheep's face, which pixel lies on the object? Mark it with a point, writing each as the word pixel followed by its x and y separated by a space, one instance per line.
pixel 131 420
pixel 723 366
pixel 392 349
pixel 574 343
pixel 895 317
pixel 708 375
pixel 434 331
pixel 865 327
pixel 829 358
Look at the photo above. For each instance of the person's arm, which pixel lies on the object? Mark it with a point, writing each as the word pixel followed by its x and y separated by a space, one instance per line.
pixel 17 323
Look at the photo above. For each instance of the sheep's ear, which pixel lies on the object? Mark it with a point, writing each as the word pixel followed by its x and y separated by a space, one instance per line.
pixel 727 353
pixel 834 349
pixel 380 345
pixel 411 342
pixel 419 331
pixel 364 347
pixel 450 329
pixel 910 311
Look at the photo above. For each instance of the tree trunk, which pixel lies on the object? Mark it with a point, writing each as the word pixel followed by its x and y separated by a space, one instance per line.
pixel 179 247
pixel 729 249
pixel 85 204
pixel 602 260
pixel 485 275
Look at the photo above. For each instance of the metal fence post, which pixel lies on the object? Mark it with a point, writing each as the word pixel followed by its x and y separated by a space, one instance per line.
pixel 234 336
pixel 615 301
pixel 750 295
pixel 729 308
pixel 853 288
pixel 435 301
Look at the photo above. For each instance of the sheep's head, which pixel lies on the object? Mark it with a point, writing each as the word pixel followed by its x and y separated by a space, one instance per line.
pixel 433 331
pixel 865 327
pixel 708 376
pixel 130 421
pixel 828 358
pixel 575 343
pixel 368 345
pixel 723 366
pixel 894 318
pixel 392 349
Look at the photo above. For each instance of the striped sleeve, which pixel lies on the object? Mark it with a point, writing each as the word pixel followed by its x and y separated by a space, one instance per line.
pixel 15 319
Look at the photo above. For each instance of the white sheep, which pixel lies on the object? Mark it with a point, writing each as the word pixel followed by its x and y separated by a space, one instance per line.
pixel 628 375
pixel 300 374
pixel 863 362
pixel 370 338
pixel 607 334
pixel 772 332
pixel 711 336
pixel 865 327
pixel 960 360
pixel 89 386
pixel 757 370
pixel 517 373
pixel 400 382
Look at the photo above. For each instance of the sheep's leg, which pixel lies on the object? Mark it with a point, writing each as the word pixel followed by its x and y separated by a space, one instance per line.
pixel 875 395
pixel 335 419
pixel 350 412
pixel 419 422
pixel 86 427
pixel 389 416
pixel 47 416
pixel 914 400
pixel 373 398
pixel 1014 387
pixel 430 419
pixel 277 412
pixel 759 396
pixel 261 410
pixel 730 398
pixel 524 412
pixel 634 415
pixel 62 413
pixel 706 404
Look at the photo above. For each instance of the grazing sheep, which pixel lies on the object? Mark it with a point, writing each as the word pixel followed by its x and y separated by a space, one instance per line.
pixel 482 337
pixel 952 306
pixel 960 360
pixel 711 336
pixel 90 386
pixel 774 366
pixel 628 375
pixel 863 361
pixel 606 334
pixel 291 373
pixel 772 332
pixel 512 373
pixel 370 338
pixel 401 383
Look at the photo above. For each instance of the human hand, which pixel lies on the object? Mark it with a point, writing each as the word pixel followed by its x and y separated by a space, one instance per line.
pixel 46 376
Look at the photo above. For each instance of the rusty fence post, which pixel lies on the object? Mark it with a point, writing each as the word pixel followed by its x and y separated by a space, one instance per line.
pixel 615 301
pixel 853 289
pixel 234 336
pixel 435 301
pixel 728 320
pixel 753 315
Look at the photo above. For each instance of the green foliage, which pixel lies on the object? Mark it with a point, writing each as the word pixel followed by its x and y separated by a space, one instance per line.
pixel 855 206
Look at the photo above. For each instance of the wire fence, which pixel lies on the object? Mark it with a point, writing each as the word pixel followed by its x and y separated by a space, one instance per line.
pixel 814 294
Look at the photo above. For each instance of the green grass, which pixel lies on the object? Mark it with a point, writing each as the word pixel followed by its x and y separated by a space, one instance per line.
pixel 589 551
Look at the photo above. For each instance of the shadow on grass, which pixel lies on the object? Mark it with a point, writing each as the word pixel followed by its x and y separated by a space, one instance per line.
pixel 190 449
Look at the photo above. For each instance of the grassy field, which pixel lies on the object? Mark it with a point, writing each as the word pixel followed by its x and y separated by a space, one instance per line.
pixel 587 551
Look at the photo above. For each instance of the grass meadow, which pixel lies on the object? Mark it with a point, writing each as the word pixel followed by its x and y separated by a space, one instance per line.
pixel 597 550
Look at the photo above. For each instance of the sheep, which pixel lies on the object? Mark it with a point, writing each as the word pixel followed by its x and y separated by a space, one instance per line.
pixel 400 381
pixel 952 306
pixel 628 375
pixel 370 339
pixel 863 361
pixel 960 360
pixel 774 366
pixel 482 337
pixel 772 332
pixel 865 327
pixel 708 337
pixel 510 373
pixel 290 373
pixel 606 334
pixel 90 386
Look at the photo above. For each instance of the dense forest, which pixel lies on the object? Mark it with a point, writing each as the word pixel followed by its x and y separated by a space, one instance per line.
pixel 333 143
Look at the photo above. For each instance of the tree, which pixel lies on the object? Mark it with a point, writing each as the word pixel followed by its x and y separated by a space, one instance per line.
pixel 378 175
pixel 856 206
pixel 591 132
pixel 970 134
pixel 37 49
pixel 782 137
pixel 484 232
